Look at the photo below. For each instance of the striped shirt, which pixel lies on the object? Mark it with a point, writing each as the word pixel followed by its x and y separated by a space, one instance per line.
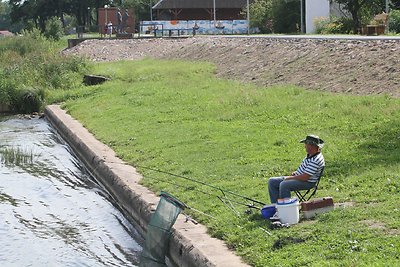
pixel 313 166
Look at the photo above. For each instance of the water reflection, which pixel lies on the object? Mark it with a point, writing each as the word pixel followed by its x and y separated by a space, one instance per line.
pixel 52 212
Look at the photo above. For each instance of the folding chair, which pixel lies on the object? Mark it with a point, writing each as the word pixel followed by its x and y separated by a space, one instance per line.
pixel 307 195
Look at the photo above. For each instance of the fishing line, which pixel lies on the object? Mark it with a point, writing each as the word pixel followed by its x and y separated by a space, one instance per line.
pixel 223 191
pixel 188 218
pixel 230 206
pixel 203 192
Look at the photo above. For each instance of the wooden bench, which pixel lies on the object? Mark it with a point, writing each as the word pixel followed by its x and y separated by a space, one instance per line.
pixel 378 25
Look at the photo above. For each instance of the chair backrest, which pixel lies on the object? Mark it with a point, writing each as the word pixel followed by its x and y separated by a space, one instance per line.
pixel 307 195
pixel 320 175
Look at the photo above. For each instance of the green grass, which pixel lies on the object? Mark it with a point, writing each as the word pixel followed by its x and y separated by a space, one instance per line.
pixel 177 117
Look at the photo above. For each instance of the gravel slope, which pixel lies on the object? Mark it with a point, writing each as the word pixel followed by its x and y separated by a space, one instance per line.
pixel 351 66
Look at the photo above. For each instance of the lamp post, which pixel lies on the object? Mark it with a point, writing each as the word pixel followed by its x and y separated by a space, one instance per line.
pixel 387 12
pixel 301 17
pixel 215 17
pixel 387 7
pixel 248 17
pixel 106 7
pixel 88 18
pixel 151 11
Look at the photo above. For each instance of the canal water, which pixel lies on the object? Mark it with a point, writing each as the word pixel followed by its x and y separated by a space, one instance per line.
pixel 52 212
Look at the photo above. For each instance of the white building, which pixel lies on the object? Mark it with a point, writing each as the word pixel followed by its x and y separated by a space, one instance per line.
pixel 320 8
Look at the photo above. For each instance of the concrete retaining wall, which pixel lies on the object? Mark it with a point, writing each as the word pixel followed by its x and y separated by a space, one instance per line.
pixel 189 246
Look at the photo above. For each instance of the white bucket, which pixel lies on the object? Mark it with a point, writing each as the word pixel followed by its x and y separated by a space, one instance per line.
pixel 288 212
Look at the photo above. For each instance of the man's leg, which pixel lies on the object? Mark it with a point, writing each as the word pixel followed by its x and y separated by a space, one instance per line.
pixel 273 188
pixel 292 185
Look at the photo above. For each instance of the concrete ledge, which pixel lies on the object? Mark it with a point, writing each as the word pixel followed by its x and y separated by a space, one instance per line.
pixel 190 245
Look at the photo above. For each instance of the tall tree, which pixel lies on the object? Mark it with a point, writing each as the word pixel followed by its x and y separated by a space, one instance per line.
pixel 142 7
pixel 395 4
pixel 4 16
pixel 260 11
pixel 37 11
pixel 361 9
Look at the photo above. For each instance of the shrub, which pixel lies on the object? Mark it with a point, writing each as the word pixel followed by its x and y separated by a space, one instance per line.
pixel 34 34
pixel 54 29
pixel 63 72
pixel 28 100
pixel 260 13
pixel 30 42
pixel 394 21
pixel 30 62
pixel 333 25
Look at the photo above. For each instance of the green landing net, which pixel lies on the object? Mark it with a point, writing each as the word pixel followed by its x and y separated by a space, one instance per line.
pixel 159 231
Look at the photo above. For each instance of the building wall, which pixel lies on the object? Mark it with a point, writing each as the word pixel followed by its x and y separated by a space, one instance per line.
pixel 199 14
pixel 338 11
pixel 202 27
pixel 110 14
pixel 315 9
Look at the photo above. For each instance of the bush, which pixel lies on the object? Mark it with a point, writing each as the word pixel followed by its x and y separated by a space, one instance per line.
pixel 30 62
pixel 63 72
pixel 34 34
pixel 54 29
pixel 260 13
pixel 333 25
pixel 394 21
pixel 30 42
pixel 28 100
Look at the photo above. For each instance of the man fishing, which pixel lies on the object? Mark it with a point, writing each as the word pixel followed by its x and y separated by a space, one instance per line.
pixel 305 176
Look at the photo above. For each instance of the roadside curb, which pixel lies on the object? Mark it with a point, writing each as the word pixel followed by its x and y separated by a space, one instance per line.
pixel 189 246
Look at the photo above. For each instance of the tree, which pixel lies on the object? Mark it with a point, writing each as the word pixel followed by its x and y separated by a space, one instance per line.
pixel 260 11
pixel 361 10
pixel 37 11
pixel 280 16
pixel 4 16
pixel 285 16
pixel 142 7
pixel 394 4
pixel 40 11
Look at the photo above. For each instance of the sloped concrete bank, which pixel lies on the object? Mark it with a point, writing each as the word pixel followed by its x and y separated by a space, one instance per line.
pixel 190 245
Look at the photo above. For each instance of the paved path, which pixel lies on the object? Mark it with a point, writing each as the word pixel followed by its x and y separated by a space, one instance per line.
pixel 322 37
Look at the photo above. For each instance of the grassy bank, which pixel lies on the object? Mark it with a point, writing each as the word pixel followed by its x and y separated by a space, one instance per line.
pixel 177 117
pixel 30 67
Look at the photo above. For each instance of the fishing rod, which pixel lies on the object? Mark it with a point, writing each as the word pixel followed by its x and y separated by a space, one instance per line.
pixel 222 199
pixel 223 191
pixel 185 206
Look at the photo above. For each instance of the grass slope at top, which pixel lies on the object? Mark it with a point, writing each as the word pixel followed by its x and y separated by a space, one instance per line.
pixel 176 116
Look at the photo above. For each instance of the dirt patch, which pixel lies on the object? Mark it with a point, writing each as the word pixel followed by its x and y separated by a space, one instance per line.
pixel 359 67
pixel 380 226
